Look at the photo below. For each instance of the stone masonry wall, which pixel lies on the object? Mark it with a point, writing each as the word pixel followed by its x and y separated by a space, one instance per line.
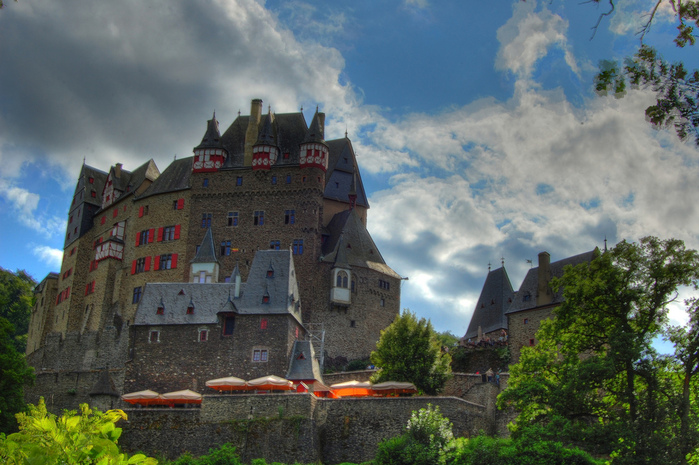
pixel 522 329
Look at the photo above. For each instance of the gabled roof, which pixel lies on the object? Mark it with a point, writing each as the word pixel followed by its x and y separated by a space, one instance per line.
pixel 496 297
pixel 174 178
pixel 526 297
pixel 207 251
pixel 342 167
pixel 360 248
pixel 210 299
pixel 303 364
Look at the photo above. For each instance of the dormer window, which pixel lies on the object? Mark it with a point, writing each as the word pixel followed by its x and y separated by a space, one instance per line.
pixel 190 309
pixel 527 297
pixel 342 279
pixel 265 298
pixel 270 271
pixel 160 310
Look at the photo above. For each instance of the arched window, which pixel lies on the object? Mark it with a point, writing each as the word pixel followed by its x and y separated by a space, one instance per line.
pixel 342 279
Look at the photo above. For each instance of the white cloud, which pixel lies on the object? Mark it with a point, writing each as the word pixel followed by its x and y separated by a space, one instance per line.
pixel 24 204
pixel 49 256
pixel 417 3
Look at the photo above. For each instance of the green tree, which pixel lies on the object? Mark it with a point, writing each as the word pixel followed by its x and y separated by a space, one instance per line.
pixel 677 88
pixel 409 350
pixel 14 375
pixel 16 302
pixel 84 438
pixel 595 376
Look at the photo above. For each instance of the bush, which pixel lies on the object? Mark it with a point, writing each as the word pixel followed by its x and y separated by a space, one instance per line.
pixel 224 455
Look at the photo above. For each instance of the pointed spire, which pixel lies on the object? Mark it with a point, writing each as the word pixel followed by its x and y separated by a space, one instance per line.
pixel 353 191
pixel 206 252
pixel 266 135
pixel 605 242
pixel 316 131
pixel 212 137
pixel 341 255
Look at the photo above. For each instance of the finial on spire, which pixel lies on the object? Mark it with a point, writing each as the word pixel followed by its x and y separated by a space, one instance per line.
pixel 301 107
pixel 489 267
pixel 502 260
pixel 345 132
pixel 214 117
pixel 238 112
pixel 605 242
pixel 316 108
pixel 269 108
pixel 83 159
pixel 174 158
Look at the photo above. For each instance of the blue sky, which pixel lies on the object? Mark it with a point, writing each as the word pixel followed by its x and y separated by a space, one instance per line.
pixel 475 124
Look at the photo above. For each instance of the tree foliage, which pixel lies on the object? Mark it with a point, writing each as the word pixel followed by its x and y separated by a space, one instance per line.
pixel 16 302
pixel 676 88
pixel 74 438
pixel 409 350
pixel 595 377
pixel 14 375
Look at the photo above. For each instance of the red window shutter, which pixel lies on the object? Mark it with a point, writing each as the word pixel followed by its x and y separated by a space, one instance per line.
pixel 160 234
pixel 133 267
pixel 156 264
pixel 138 238
pixel 87 288
pixel 115 213
pixel 140 212
pixel 68 292
pixel 147 267
pixel 151 235
pixel 180 204
pixel 103 220
pixel 177 231
pixel 173 264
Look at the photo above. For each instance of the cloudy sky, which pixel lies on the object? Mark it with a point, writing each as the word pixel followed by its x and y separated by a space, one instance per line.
pixel 475 124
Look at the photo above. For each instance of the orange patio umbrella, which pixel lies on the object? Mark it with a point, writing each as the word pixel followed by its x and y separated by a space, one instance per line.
pixel 394 387
pixel 270 383
pixel 230 383
pixel 351 389
pixel 181 397
pixel 146 397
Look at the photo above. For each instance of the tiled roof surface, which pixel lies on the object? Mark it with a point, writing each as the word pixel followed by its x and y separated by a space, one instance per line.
pixel 303 363
pixel 207 251
pixel 496 297
pixel 530 284
pixel 174 178
pixel 212 138
pixel 342 164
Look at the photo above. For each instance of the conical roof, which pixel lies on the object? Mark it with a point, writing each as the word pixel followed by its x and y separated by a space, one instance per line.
pixel 266 134
pixel 212 137
pixel 206 252
pixel 316 132
pixel 496 297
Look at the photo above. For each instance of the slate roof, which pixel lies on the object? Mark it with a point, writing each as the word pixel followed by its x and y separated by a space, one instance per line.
pixel 174 178
pixel 530 284
pixel 207 251
pixel 99 177
pixel 342 167
pixel 266 134
pixel 495 299
pixel 289 130
pixel 104 385
pixel 360 249
pixel 212 137
pixel 128 182
pixel 316 132
pixel 209 299
pixel 303 364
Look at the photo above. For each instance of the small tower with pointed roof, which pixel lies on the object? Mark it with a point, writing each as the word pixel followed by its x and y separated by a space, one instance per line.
pixel 340 292
pixel 314 150
pixel 210 154
pixel 204 267
pixel 265 151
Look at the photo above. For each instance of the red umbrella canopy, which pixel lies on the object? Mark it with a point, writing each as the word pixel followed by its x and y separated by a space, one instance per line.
pixel 271 383
pixel 182 397
pixel 142 397
pixel 230 383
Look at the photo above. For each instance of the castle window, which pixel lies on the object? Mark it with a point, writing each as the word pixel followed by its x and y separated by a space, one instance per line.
pixel 526 321
pixel 225 248
pixel 160 310
pixel 136 295
pixel 288 179
pixel 169 233
pixel 274 180
pixel 259 355
pixel 354 286
pixel 203 335
pixel 205 182
pixel 154 336
pixel 190 309
pixel 531 342
pixel 384 284
pixel 297 246
pixel 93 194
pixel 265 299
pixel 145 237
pixel 303 179
pixel 263 323
pixel 274 245
pixel 174 204
pixel 527 297
pixel 286 155
pixel 258 218
pixel 239 181
pixel 289 216
pixel 206 220
pixel 232 218
pixel 353 324
pixel 341 280
pixel 165 262
pixel 228 325
pixel 383 303
pixel 91 180
pixel 140 265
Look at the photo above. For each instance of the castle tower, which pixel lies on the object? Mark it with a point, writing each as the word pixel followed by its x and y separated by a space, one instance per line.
pixel 204 267
pixel 252 130
pixel 265 150
pixel 314 150
pixel 209 155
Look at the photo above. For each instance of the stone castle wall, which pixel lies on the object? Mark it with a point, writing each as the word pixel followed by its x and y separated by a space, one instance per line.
pixel 289 427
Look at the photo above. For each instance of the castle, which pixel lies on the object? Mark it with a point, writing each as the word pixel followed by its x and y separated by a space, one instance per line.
pixel 248 256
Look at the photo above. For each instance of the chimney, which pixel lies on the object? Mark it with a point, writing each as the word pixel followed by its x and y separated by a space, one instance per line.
pixel 117 170
pixel 544 294
pixel 253 125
